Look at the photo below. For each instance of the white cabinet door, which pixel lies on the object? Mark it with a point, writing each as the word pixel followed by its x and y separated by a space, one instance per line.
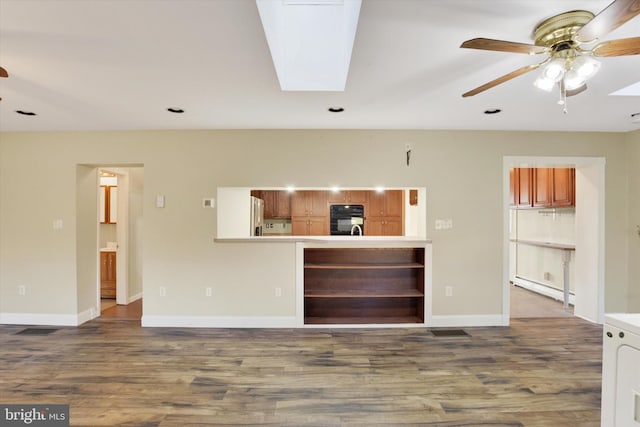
pixel 113 205
pixel 628 388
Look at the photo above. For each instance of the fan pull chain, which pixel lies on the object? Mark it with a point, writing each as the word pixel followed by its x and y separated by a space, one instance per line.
pixel 563 97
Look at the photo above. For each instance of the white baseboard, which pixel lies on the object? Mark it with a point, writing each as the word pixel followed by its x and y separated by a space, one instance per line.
pixel 87 315
pixel 219 322
pixel 441 321
pixel 135 297
pixel 42 319
pixel 542 289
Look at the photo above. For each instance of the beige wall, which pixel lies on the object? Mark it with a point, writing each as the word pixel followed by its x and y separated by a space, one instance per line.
pixel 633 166
pixel 461 170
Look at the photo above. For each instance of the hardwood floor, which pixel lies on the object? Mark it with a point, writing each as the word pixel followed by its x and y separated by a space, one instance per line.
pixel 131 311
pixel 537 373
pixel 526 303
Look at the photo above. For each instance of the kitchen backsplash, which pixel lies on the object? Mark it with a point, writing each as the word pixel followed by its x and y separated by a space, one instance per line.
pixel 276 226
pixel 544 225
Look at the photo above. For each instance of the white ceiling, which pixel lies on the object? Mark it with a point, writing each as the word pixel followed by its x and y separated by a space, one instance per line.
pixel 119 64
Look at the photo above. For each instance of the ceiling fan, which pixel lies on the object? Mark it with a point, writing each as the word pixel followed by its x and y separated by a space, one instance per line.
pixel 3 73
pixel 562 38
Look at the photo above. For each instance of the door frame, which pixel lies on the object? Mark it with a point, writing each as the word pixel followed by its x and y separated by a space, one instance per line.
pixel 589 259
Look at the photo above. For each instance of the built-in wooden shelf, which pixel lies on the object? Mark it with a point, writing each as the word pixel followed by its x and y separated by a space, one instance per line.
pixel 364 266
pixel 356 293
pixel 360 320
pixel 363 285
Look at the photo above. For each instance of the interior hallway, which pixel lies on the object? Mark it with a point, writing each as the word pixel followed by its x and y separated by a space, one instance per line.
pixel 131 311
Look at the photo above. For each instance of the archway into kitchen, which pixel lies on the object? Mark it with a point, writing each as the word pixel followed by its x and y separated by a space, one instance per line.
pixel 588 239
pixel 119 248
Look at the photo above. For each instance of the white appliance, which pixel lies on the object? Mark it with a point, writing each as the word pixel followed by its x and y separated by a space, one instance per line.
pixel 621 371
pixel 256 216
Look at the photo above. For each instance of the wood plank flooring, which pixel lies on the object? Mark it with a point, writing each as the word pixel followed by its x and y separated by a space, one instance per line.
pixel 526 303
pixel 131 311
pixel 535 373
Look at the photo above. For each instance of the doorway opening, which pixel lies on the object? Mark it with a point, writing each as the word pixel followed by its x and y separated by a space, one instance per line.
pixel 579 258
pixel 119 249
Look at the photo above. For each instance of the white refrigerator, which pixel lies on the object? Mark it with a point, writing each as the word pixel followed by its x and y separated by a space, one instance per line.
pixel 256 216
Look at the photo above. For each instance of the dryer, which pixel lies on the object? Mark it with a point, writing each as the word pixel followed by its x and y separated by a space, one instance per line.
pixel 621 371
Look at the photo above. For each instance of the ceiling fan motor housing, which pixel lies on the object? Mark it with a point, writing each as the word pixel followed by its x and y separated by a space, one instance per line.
pixel 557 32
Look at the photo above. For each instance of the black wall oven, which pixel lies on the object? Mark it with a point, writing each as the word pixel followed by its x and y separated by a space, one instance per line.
pixel 346 220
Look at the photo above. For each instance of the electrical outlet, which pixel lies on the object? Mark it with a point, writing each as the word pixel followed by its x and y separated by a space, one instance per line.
pixel 448 291
pixel 22 290
pixel 208 291
pixel 448 223
pixel 163 291
pixel 278 292
pixel 439 224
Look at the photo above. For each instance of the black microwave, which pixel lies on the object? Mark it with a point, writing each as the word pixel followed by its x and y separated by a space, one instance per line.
pixel 346 220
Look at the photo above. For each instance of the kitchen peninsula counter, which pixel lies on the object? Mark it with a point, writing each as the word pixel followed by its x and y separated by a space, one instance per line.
pixel 366 240
pixel 350 281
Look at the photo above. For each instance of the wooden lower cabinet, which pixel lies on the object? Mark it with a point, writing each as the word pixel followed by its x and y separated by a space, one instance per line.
pixel 309 226
pixel 363 285
pixel 107 274
pixel 384 226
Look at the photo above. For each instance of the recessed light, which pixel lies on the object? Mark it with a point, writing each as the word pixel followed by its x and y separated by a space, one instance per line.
pixel 336 109
pixel 175 110
pixel 26 113
pixel 492 111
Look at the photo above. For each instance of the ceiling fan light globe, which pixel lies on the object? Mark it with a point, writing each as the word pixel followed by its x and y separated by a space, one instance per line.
pixel 586 67
pixel 573 80
pixel 543 83
pixel 554 70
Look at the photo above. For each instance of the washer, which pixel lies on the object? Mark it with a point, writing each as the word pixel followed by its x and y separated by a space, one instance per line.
pixel 621 370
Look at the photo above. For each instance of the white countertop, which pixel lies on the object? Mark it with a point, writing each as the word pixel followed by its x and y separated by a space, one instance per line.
pixel 563 246
pixel 109 249
pixel 626 321
pixel 329 239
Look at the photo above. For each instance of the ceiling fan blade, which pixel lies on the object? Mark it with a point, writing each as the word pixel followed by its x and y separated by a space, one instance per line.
pixel 503 46
pixel 3 72
pixel 620 47
pixel 500 80
pixel 610 18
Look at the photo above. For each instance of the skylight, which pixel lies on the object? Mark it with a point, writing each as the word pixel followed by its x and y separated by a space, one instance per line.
pixel 310 41
pixel 631 90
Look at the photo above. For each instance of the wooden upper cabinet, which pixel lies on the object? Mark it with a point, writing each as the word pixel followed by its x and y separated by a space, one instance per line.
pixel 524 188
pixel 277 203
pixel 387 203
pixel 384 213
pixel 309 203
pixel 542 187
pixel 413 197
pixel 393 203
pixel 356 197
pixel 563 187
pixel 318 203
pixel 269 198
pixel 283 204
pixel 309 213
